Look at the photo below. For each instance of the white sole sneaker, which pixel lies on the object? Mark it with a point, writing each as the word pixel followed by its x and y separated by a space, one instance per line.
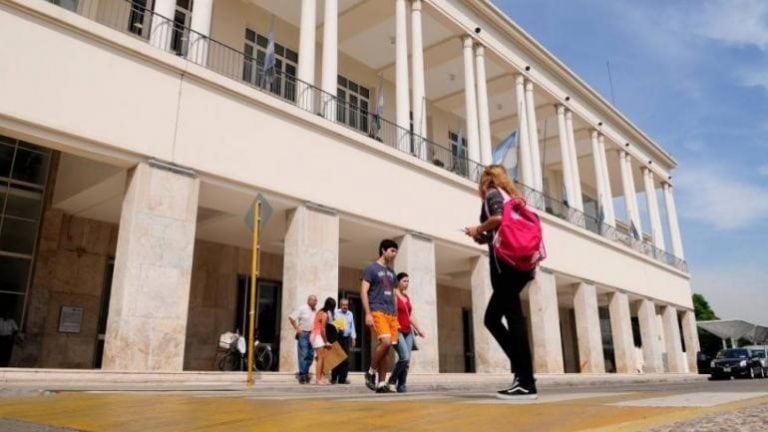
pixel 517 397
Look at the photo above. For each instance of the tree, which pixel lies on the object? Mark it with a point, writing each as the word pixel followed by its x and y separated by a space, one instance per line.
pixel 702 310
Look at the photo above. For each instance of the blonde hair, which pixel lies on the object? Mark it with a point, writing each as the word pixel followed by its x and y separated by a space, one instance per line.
pixel 496 176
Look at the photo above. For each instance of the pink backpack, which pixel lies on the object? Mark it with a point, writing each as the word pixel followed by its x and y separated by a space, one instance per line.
pixel 518 241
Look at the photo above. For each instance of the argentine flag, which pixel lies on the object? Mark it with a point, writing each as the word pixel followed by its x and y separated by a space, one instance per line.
pixel 505 154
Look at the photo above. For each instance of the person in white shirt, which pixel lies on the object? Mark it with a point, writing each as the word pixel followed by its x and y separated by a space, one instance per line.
pixel 301 319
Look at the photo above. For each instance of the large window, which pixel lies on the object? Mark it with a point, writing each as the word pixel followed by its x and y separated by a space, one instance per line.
pixel 140 17
pixel 66 4
pixel 281 81
pixel 459 163
pixel 23 175
pixel 182 18
pixel 353 104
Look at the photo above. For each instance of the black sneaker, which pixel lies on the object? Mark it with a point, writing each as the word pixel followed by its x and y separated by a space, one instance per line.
pixel 383 389
pixel 370 380
pixel 518 392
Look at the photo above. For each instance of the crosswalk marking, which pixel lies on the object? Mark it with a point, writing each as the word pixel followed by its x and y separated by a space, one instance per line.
pixel 545 398
pixel 699 399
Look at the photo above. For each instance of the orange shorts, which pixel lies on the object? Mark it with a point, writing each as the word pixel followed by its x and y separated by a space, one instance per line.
pixel 385 325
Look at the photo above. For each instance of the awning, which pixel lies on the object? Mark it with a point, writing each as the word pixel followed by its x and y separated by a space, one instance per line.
pixel 736 329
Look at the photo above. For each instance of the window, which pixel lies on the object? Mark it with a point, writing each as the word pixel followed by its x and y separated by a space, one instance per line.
pixel 140 18
pixel 459 163
pixel 23 176
pixel 66 4
pixel 181 21
pixel 283 78
pixel 353 105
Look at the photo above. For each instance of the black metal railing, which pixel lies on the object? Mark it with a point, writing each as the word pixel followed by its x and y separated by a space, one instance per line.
pixel 134 18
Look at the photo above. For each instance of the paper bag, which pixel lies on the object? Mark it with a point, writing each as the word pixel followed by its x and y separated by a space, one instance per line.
pixel 333 357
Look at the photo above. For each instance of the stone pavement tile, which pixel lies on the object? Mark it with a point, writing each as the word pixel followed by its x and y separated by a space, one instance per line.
pixel 751 419
pixel 19 426
pixel 698 399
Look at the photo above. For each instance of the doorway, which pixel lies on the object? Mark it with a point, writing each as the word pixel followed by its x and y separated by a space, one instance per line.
pixel 268 298
pixel 360 355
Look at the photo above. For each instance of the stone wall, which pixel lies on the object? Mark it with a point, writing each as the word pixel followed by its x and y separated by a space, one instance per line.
pixel 70 267
pixel 450 302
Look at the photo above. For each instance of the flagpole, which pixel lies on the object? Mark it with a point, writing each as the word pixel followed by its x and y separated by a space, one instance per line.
pixel 254 274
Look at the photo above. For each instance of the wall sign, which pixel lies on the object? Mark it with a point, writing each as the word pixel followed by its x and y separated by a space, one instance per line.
pixel 70 319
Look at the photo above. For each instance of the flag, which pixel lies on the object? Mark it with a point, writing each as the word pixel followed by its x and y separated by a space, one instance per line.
pixel 269 61
pixel 505 153
pixel 633 230
pixel 379 107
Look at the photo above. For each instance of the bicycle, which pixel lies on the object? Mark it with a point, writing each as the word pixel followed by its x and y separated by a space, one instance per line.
pixel 233 354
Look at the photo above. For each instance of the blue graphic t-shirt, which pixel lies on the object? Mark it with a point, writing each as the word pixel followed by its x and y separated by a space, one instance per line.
pixel 382 289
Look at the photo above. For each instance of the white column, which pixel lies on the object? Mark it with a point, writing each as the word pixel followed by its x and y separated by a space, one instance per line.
pixel 202 12
pixel 416 256
pixel 578 202
pixel 147 325
pixel 470 99
pixel 545 328
pixel 310 266
pixel 305 73
pixel 610 212
pixel 565 155
pixel 630 198
pixel 403 114
pixel 489 357
pixel 162 23
pixel 621 329
pixel 533 137
pixel 599 179
pixel 588 329
pixel 674 228
pixel 672 339
pixel 483 117
pixel 691 337
pixel 649 334
pixel 657 234
pixel 419 93
pixel 89 9
pixel 330 74
pixel 524 163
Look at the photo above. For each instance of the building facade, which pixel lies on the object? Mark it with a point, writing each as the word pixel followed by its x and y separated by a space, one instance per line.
pixel 135 134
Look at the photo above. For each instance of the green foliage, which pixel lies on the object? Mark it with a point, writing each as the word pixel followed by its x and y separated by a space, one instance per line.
pixel 702 309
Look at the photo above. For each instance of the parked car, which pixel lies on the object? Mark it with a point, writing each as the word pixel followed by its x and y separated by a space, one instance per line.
pixel 761 352
pixel 702 362
pixel 736 362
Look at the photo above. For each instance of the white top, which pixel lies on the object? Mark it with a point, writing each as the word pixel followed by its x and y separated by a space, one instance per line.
pixel 8 327
pixel 304 317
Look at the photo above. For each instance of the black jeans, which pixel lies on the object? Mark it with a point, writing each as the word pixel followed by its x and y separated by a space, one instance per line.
pixel 339 373
pixel 507 283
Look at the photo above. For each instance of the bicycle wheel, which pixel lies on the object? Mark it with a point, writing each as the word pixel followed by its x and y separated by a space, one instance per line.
pixel 263 358
pixel 228 362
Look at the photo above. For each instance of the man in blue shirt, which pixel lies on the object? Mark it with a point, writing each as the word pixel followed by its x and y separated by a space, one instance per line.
pixel 345 323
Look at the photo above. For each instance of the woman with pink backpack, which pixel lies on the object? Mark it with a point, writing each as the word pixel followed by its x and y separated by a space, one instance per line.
pixel 513 235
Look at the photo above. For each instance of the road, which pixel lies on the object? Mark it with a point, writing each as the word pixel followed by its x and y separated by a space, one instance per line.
pixel 738 405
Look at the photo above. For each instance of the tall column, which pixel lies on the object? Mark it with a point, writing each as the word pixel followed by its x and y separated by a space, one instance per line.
pixel 578 202
pixel 403 114
pixel 588 329
pixel 305 73
pixel 621 329
pixel 630 197
pixel 470 99
pixel 489 357
pixel 599 179
pixel 202 12
pixel 653 209
pixel 483 117
pixel 330 74
pixel 533 137
pixel 565 155
pixel 672 339
pixel 691 337
pixel 89 9
pixel 649 334
pixel 147 325
pixel 310 266
pixel 545 328
pixel 524 163
pixel 419 92
pixel 674 228
pixel 416 256
pixel 610 212
pixel 162 24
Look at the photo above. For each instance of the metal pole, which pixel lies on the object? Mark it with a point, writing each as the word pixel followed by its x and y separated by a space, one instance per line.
pixel 254 274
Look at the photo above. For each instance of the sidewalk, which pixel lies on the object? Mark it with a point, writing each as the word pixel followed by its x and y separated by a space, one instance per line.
pixel 83 380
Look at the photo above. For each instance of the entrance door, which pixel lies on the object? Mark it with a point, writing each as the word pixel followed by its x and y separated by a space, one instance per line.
pixel 469 340
pixel 103 313
pixel 268 298
pixel 359 356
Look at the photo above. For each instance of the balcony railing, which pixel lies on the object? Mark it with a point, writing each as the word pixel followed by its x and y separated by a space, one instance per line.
pixel 133 18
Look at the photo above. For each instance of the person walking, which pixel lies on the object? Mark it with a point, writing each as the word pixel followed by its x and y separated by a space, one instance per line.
pixel 302 319
pixel 507 282
pixel 345 323
pixel 379 303
pixel 319 338
pixel 408 330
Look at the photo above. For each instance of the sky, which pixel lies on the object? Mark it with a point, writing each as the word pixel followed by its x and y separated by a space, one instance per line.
pixel 693 75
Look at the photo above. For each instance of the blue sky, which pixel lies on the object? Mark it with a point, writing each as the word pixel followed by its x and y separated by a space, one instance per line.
pixel 692 74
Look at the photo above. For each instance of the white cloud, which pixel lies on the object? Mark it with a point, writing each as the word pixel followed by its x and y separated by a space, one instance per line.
pixel 757 77
pixel 733 22
pixel 763 170
pixel 709 195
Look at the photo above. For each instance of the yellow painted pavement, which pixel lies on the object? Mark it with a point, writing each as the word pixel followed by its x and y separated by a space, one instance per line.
pixel 179 412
